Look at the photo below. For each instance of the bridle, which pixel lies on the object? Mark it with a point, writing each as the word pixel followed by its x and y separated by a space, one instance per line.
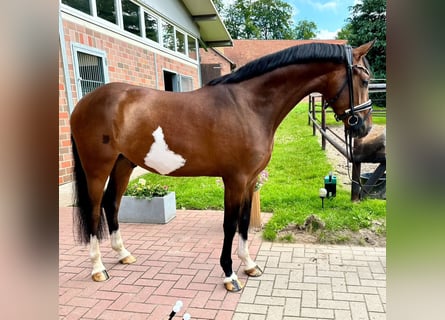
pixel 354 121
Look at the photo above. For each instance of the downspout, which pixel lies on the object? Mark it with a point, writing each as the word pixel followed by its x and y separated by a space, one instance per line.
pixel 156 69
pixel 66 74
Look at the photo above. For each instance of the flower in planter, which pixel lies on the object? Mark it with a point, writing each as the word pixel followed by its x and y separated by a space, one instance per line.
pixel 262 178
pixel 142 190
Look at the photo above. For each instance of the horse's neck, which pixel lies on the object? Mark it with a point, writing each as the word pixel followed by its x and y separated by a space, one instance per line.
pixel 276 93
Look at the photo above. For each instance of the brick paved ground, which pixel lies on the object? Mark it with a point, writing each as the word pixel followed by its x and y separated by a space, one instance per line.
pixel 310 282
pixel 180 261
pixel 175 261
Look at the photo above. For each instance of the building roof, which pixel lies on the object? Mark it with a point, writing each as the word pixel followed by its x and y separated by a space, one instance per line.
pixel 244 51
pixel 212 29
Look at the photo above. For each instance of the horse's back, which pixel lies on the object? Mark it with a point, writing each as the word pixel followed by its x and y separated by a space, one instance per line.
pixel 106 96
pixel 101 107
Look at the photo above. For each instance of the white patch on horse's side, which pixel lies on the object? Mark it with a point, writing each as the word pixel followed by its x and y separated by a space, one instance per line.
pixel 160 157
pixel 243 254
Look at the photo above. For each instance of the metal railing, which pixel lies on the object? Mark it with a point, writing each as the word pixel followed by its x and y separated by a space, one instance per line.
pixel 316 106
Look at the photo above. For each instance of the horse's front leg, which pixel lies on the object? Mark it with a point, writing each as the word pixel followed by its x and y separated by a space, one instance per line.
pixel 236 214
pixel 231 281
pixel 251 268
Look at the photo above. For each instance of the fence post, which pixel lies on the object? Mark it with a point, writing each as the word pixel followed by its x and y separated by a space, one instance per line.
pixel 314 129
pixel 309 110
pixel 355 186
pixel 323 124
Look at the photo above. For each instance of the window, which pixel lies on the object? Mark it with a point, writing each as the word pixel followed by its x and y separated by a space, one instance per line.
pixel 81 5
pixel 130 13
pixel 91 72
pixel 106 10
pixel 176 82
pixel 191 42
pixel 151 27
pixel 90 69
pixel 170 81
pixel 180 42
pixel 186 83
pixel 138 20
pixel 168 36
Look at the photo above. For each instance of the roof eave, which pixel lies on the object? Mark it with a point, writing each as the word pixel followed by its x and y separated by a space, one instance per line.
pixel 213 32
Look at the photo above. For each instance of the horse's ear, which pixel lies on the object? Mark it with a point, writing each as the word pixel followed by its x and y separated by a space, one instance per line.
pixel 363 49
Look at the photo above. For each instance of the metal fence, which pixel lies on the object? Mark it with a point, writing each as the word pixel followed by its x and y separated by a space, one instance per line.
pixel 377 92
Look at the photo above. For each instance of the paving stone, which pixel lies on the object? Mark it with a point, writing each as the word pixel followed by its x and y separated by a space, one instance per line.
pixel 180 261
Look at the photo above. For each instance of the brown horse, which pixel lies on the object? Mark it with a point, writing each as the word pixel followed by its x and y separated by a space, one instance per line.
pixel 224 129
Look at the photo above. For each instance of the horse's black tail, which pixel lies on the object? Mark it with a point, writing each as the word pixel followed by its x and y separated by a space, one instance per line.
pixel 83 215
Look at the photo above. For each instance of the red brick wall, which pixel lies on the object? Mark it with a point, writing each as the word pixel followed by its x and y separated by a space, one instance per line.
pixel 211 57
pixel 126 62
pixel 65 156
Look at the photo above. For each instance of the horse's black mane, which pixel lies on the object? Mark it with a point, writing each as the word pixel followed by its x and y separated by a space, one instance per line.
pixel 304 53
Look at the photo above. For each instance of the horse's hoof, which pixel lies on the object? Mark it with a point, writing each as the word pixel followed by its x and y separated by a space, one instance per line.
pixel 128 260
pixel 100 276
pixel 233 286
pixel 254 272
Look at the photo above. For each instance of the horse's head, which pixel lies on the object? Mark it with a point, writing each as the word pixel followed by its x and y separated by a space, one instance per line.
pixel 348 94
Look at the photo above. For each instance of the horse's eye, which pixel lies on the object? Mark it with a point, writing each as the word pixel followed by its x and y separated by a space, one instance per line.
pixel 365 83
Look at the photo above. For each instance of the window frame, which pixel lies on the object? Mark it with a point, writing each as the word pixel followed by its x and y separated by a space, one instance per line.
pixel 77 47
pixel 117 3
pixel 119 25
pixel 178 77
pixel 158 26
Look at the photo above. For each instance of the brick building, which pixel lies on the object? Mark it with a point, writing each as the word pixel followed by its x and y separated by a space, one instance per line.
pixel 219 61
pixel 214 64
pixel 143 42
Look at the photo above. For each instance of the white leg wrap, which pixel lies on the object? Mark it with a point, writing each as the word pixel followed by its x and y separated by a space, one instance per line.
pixel 95 255
pixel 243 254
pixel 118 245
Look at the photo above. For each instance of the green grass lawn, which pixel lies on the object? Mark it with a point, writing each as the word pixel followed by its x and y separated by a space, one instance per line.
pixel 296 173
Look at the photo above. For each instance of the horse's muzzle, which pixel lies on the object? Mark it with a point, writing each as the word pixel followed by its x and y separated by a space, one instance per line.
pixel 359 131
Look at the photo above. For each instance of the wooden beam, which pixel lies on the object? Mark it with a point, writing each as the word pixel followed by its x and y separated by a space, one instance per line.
pixel 205 17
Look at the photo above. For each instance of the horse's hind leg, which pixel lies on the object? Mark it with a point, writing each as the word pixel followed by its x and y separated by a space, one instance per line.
pixel 95 188
pixel 117 184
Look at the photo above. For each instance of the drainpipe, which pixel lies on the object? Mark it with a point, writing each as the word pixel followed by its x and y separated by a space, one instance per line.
pixel 66 74
pixel 155 56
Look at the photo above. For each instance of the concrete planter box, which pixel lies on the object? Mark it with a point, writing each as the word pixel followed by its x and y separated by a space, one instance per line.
pixel 157 210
